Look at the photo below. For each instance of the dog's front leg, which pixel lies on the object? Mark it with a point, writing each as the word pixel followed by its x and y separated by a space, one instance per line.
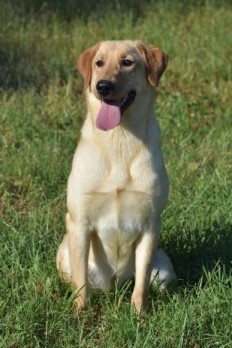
pixel 78 244
pixel 144 253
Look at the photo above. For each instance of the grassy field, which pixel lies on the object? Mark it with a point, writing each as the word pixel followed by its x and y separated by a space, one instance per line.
pixel 41 112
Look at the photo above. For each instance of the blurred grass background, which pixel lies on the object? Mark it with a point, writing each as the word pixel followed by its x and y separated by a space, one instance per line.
pixel 41 111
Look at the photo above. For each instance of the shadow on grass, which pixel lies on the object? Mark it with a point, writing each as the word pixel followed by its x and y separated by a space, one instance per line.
pixel 27 65
pixel 70 9
pixel 24 67
pixel 20 67
pixel 204 253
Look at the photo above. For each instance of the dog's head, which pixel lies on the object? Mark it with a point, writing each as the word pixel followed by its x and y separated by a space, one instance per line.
pixel 116 72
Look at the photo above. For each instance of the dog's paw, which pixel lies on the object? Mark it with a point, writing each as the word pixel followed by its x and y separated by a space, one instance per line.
pixel 139 301
pixel 163 273
pixel 80 304
pixel 164 280
pixel 169 283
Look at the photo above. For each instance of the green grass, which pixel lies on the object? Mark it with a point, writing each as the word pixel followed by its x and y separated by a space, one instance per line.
pixel 41 112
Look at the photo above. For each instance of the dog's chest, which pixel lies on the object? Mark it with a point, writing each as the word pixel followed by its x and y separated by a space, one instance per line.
pixel 119 219
pixel 123 203
pixel 118 194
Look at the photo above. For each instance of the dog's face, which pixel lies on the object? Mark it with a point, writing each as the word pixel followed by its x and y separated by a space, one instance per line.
pixel 118 71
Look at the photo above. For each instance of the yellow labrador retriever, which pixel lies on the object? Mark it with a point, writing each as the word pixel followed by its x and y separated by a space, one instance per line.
pixel 118 186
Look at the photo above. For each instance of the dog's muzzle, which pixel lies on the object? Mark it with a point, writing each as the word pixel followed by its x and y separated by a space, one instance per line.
pixel 111 111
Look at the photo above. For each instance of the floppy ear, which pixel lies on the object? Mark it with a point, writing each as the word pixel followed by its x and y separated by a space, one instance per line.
pixel 84 63
pixel 156 62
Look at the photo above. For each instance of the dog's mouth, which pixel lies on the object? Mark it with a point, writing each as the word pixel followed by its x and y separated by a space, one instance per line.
pixel 111 111
pixel 127 101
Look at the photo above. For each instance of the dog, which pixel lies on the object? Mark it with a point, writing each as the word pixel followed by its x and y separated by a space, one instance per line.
pixel 118 186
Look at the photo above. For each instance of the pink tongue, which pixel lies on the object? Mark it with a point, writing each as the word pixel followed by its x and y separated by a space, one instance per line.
pixel 109 115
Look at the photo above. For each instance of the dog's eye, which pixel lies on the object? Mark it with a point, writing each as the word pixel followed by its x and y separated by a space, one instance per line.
pixel 100 63
pixel 127 62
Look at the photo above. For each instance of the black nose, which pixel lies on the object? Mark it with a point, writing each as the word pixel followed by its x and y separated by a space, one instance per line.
pixel 105 87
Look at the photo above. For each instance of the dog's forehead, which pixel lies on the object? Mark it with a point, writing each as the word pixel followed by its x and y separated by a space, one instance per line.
pixel 117 48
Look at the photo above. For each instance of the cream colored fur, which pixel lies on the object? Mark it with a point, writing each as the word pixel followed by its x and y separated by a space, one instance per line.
pixel 118 186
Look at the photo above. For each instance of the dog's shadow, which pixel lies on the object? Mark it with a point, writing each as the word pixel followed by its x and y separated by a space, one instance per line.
pixel 193 258
pixel 200 252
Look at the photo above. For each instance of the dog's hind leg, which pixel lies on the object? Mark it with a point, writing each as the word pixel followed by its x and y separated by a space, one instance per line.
pixel 162 272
